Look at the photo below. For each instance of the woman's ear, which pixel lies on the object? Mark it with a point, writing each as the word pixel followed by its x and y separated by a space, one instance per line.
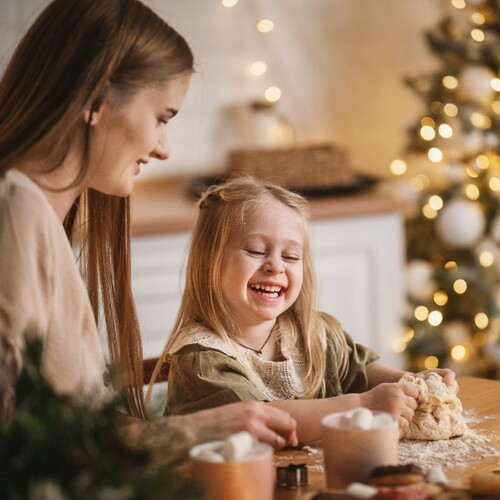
pixel 90 117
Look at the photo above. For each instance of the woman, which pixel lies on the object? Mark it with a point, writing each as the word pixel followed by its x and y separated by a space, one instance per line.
pixel 84 104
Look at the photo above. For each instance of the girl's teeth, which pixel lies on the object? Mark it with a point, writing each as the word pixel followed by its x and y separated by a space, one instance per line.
pixel 272 291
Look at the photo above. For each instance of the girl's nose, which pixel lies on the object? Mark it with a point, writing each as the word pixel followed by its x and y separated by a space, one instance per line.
pixel 162 150
pixel 274 265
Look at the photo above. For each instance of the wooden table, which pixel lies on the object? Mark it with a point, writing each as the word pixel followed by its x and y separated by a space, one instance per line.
pixel 481 402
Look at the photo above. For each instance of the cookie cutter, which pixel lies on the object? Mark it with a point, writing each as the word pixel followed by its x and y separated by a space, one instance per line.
pixel 292 476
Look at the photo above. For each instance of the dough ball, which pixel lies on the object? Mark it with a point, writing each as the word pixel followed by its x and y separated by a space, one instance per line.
pixel 439 411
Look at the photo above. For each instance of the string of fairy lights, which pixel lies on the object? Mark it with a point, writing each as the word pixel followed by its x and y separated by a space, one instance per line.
pixel 458 121
pixel 259 68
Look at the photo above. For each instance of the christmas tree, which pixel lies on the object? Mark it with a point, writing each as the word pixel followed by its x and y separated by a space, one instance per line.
pixel 451 172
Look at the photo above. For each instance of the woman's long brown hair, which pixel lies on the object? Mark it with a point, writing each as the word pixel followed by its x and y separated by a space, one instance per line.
pixel 77 54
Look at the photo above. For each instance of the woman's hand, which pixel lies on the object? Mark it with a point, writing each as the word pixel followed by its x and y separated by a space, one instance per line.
pixel 396 398
pixel 265 422
pixel 170 438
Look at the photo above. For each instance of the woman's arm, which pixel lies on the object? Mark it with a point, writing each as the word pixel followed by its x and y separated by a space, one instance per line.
pixel 170 438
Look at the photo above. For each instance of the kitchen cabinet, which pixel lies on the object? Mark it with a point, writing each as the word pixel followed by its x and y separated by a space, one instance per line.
pixel 358 245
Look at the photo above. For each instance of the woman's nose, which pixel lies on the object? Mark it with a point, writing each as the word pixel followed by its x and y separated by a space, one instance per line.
pixel 161 150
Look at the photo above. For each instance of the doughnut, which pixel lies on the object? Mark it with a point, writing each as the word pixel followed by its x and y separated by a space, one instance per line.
pixel 396 475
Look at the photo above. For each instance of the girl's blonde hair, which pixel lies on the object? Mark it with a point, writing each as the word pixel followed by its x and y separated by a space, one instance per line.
pixel 76 55
pixel 222 209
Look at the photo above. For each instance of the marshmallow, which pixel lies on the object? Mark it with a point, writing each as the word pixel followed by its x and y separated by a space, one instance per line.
pixel 362 418
pixel 360 490
pixel 345 421
pixel 237 446
pixel 210 456
pixel 382 420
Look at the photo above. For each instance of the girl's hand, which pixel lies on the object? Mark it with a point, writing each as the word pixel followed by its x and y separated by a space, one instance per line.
pixel 398 399
pixel 447 375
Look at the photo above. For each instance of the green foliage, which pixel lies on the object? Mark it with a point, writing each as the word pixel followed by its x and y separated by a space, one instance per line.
pixel 56 448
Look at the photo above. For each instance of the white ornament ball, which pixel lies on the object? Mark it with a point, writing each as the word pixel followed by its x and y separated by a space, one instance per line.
pixel 460 223
pixel 419 282
pixel 475 81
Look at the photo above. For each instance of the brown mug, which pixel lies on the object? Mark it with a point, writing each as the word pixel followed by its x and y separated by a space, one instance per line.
pixel 251 478
pixel 351 454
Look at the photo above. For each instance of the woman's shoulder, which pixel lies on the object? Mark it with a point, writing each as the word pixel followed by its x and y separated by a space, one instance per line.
pixel 21 198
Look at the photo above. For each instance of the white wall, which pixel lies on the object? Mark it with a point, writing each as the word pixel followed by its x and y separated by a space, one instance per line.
pixel 340 64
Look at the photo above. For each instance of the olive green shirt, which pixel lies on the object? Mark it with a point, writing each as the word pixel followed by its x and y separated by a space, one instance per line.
pixel 205 373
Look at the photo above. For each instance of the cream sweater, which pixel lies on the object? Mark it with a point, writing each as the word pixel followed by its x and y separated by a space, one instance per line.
pixel 40 286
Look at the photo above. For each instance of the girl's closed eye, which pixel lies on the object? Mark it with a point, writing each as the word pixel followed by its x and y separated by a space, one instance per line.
pixel 162 120
pixel 254 251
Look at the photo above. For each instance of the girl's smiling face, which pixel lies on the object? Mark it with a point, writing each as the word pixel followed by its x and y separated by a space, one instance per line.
pixel 263 268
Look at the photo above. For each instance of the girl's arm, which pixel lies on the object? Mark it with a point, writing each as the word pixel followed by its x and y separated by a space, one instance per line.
pixel 378 373
pixel 394 398
pixel 309 412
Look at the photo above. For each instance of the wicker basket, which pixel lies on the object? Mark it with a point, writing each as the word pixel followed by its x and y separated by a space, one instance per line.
pixel 312 166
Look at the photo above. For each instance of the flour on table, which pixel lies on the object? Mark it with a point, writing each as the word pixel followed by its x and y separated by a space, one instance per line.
pixel 458 451
pixel 439 411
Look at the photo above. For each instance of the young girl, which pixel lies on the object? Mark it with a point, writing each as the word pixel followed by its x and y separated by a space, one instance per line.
pixel 248 327
pixel 84 106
